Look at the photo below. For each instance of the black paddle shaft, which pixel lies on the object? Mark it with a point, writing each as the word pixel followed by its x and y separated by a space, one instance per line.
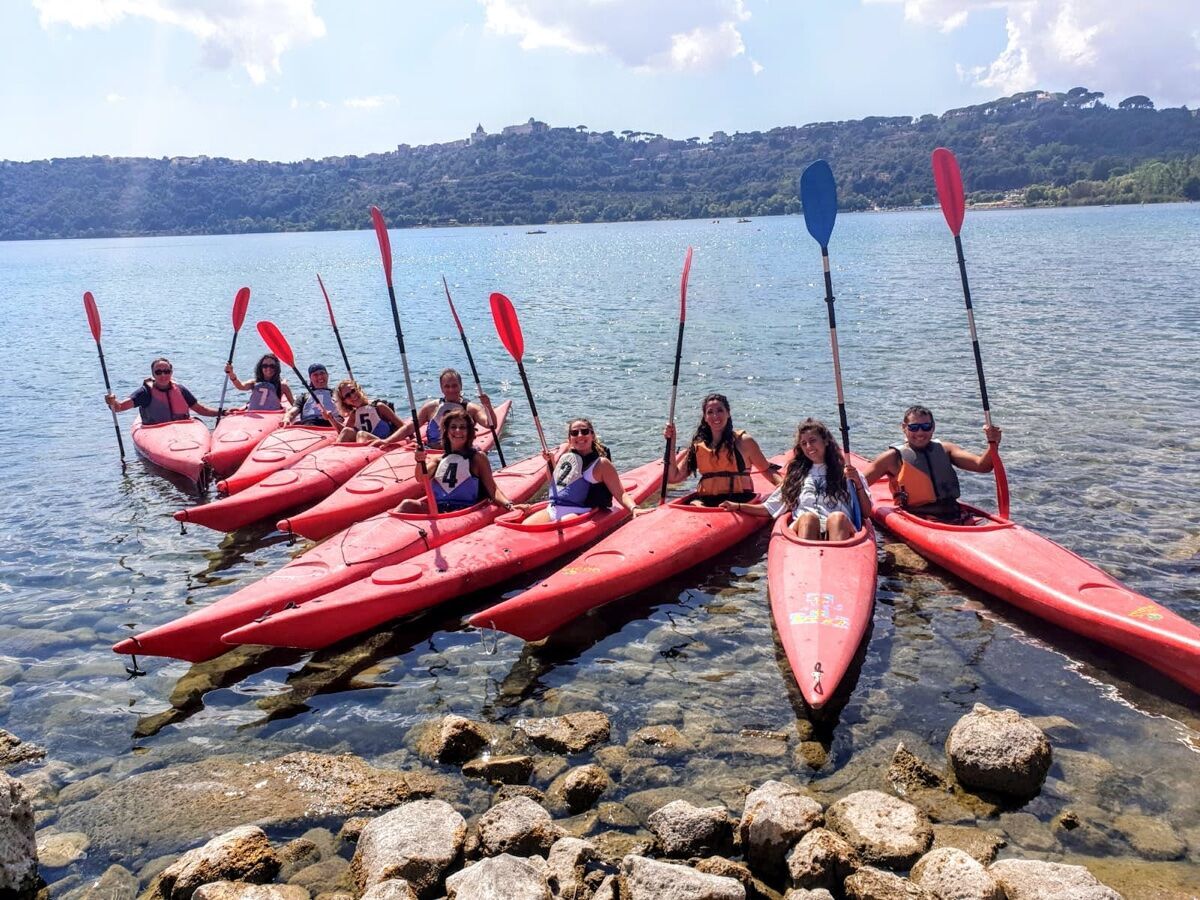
pixel 225 385
pixel 479 387
pixel 662 495
pixel 412 401
pixel 108 390
pixel 962 271
pixel 833 342
pixel 342 347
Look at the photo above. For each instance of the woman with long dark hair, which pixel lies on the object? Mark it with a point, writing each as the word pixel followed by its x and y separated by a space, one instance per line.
pixel 816 489
pixel 268 390
pixel 721 455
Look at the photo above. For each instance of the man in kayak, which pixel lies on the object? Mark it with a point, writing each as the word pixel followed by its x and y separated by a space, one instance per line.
pixel 452 398
pixel 160 399
pixel 923 469
pixel 317 408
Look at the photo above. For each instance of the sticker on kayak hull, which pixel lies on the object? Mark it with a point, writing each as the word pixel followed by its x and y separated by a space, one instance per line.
pixel 820 609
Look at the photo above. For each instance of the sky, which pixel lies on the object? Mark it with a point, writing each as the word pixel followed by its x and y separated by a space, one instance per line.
pixel 295 79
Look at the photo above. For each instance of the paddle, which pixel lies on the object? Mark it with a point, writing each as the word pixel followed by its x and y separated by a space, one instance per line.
pixel 818 196
pixel 337 334
pixel 93 316
pixel 948 179
pixel 683 281
pixel 385 253
pixel 471 361
pixel 240 303
pixel 508 326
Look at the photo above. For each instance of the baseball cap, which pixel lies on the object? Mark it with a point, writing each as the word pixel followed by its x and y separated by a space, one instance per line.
pixel 317 367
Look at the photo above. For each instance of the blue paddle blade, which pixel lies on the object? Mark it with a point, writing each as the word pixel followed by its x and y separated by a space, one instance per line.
pixel 818 194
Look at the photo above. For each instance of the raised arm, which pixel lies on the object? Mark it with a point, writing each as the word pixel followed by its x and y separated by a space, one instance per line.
pixel 886 463
pixel 971 462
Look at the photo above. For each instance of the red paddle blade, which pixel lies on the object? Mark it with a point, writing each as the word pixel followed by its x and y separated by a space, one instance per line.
pixel 687 268
pixel 508 326
pixel 948 179
pixel 276 343
pixel 240 304
pixel 328 305
pixel 453 311
pixel 93 314
pixel 385 244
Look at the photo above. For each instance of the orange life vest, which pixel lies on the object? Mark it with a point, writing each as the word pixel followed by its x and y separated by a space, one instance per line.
pixel 724 472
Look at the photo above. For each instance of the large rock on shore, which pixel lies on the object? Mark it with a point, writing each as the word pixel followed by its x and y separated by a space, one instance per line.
pixel 237 890
pixel 417 842
pixel 684 830
pixel 998 750
pixel 243 854
pixel 775 817
pixel 18 846
pixel 951 874
pixel 649 879
pixel 502 877
pixel 519 826
pixel 1031 879
pixel 158 812
pixel 452 739
pixel 883 829
pixel 875 884
pixel 822 859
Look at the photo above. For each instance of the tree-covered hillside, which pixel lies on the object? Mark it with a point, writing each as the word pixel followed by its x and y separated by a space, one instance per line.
pixel 1034 147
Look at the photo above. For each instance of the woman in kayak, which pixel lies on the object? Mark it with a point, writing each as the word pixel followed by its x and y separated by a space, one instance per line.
pixel 267 390
pixel 435 410
pixel 584 478
pixel 160 399
pixel 721 456
pixel 463 475
pixel 318 407
pixel 366 421
pixel 816 489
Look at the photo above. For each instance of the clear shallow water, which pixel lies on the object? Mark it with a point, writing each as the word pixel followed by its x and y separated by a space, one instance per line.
pixel 1088 321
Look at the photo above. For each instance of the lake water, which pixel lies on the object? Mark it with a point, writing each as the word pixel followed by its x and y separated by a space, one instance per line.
pixel 1089 322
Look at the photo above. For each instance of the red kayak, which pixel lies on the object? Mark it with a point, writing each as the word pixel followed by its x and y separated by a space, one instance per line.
pixel 313 476
pixel 236 435
pixel 377 487
pixel 651 548
pixel 276 451
pixel 822 596
pixel 175 446
pixel 354 554
pixel 999 556
pixel 502 550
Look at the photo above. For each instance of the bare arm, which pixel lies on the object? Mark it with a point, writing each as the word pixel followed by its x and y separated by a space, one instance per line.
pixel 203 410
pixel 482 467
pixel 285 391
pixel 886 463
pixel 118 405
pixel 235 381
pixel 612 480
pixel 754 455
pixel 483 412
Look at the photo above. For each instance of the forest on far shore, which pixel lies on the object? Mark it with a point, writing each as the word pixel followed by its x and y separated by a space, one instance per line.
pixel 1036 149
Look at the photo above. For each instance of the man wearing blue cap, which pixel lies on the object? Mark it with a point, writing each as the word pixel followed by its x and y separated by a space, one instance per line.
pixel 318 407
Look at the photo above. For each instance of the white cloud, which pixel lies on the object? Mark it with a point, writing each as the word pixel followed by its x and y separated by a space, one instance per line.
pixel 253 34
pixel 1119 47
pixel 114 97
pixel 756 67
pixel 643 34
pixel 374 102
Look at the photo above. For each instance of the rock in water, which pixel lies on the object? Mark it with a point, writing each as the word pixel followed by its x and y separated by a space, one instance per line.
pixel 418 842
pixel 955 874
pixel 998 750
pixel 775 817
pixel 502 877
pixel 518 826
pixel 684 830
pixel 648 879
pixel 243 854
pixel 18 849
pixel 883 829
pixel 572 733
pixel 1030 879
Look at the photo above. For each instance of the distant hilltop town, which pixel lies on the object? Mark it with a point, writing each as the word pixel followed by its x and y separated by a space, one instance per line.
pixel 533 126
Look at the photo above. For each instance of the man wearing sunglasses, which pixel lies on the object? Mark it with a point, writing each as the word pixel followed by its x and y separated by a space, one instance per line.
pixel 922 469
pixel 160 399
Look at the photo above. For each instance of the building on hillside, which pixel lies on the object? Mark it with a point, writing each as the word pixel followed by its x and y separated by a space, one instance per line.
pixel 477 135
pixel 719 137
pixel 531 127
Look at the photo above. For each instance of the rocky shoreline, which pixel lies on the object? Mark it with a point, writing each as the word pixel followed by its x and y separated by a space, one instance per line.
pixel 539 809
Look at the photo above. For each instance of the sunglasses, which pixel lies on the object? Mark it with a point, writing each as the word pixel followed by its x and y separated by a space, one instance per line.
pixel 457 428
pixel 269 366
pixel 919 426
pixel 162 371
pixel 349 394
pixel 580 432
